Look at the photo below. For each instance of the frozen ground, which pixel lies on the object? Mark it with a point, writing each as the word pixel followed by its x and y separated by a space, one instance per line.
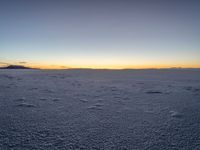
pixel 99 109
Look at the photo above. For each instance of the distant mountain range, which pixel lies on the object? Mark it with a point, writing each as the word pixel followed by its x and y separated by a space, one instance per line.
pixel 15 67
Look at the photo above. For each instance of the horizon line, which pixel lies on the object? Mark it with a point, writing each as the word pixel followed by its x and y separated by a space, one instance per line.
pixel 129 67
pixel 88 68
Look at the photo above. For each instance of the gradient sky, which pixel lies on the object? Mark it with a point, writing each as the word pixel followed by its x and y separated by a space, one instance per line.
pixel 100 33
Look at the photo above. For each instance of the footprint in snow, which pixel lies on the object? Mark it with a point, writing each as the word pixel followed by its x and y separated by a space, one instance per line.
pixel 96 106
pixel 56 99
pixel 154 92
pixel 84 100
pixel 43 99
pixel 175 114
pixel 126 98
pixel 26 105
pixel 192 89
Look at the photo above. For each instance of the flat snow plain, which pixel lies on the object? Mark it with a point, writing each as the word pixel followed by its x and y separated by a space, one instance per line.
pixel 100 109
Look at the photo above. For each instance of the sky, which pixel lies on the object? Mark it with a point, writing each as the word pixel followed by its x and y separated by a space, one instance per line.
pixel 112 34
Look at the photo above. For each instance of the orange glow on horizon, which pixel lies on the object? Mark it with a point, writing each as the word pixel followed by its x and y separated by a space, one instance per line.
pixel 105 65
pixel 112 66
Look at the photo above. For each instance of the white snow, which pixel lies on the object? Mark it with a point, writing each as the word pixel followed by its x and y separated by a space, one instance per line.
pixel 100 109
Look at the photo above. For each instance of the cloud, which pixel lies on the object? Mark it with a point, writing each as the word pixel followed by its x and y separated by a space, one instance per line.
pixel 64 67
pixel 4 63
pixel 22 62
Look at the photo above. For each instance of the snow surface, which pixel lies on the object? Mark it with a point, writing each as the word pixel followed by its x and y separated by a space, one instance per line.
pixel 100 109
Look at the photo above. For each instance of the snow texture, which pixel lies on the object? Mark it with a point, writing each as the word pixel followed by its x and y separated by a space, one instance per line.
pixel 100 109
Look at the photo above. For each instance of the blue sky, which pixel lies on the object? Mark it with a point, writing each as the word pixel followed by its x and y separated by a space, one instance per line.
pixel 100 33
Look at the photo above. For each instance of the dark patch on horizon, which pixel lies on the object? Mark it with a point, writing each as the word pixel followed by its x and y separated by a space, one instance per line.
pixel 15 67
